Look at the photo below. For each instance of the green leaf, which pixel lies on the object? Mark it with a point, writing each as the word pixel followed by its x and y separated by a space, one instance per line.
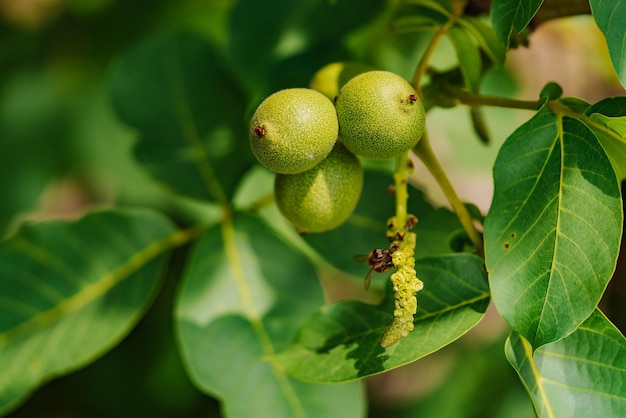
pixel 243 297
pixel 468 55
pixel 31 112
pixel 610 113
pixel 552 235
pixel 609 16
pixel 416 23
pixel 509 15
pixel 366 228
pixel 189 113
pixel 478 123
pixel 69 292
pixel 420 15
pixel 486 38
pixel 551 91
pixel 261 35
pixel 342 341
pixel 616 124
pixel 575 104
pixel 582 375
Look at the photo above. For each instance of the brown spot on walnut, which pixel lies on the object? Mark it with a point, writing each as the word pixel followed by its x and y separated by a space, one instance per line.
pixel 259 131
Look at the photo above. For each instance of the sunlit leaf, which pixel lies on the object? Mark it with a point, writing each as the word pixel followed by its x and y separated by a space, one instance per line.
pixel 71 291
pixel 365 230
pixel 611 113
pixel 552 235
pixel 189 112
pixel 581 375
pixel 512 15
pixel 241 300
pixel 342 341
pixel 609 16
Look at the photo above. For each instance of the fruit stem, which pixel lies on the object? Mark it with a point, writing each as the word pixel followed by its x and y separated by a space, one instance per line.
pixel 260 203
pixel 457 11
pixel 425 153
pixel 473 99
pixel 404 279
pixel 401 178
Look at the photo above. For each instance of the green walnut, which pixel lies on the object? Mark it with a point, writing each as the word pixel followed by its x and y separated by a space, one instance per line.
pixel 323 197
pixel 293 130
pixel 380 115
pixel 329 79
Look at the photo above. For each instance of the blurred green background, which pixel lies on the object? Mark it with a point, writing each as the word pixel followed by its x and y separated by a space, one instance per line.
pixel 63 152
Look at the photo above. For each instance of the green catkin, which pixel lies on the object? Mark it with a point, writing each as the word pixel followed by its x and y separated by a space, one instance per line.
pixel 405 286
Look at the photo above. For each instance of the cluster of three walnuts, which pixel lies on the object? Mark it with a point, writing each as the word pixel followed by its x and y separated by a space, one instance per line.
pixel 312 143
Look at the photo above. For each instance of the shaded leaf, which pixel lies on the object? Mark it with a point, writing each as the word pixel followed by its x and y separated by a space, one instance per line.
pixel 609 16
pixel 478 123
pixel 189 112
pixel 421 15
pixel 241 300
pixel 71 291
pixel 342 341
pixel 486 38
pixel 574 103
pixel 261 35
pixel 553 231
pixel 581 375
pixel 468 55
pixel 512 15
pixel 416 23
pixel 551 91
pixel 366 228
pixel 34 149
pixel 610 113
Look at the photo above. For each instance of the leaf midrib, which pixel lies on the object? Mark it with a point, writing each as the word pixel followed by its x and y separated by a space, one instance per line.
pixel 93 291
pixel 242 282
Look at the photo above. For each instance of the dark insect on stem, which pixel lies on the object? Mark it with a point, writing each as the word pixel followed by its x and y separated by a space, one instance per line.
pixel 398 236
pixel 410 222
pixel 379 260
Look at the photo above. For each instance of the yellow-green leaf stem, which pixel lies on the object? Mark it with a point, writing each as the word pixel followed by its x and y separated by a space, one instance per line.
pixel 423 149
pixel 475 100
pixel 404 279
pixel 425 152
pixel 458 6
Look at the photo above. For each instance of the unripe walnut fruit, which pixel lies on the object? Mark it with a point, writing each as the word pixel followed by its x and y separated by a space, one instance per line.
pixel 293 130
pixel 380 115
pixel 323 197
pixel 329 79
